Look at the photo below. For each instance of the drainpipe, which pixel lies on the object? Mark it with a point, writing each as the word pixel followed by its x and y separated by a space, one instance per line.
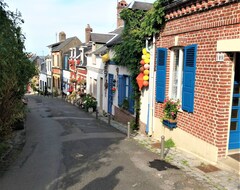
pixel 151 87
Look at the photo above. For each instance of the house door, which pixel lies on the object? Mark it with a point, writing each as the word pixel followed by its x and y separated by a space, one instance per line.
pixel 234 140
pixel 110 93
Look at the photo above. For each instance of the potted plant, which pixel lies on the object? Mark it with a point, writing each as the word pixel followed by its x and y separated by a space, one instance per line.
pixel 170 110
pixel 89 102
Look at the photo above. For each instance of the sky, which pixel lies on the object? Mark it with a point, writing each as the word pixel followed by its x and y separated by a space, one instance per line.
pixel 44 19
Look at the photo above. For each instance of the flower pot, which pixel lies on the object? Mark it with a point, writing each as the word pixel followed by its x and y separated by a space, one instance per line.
pixel 170 124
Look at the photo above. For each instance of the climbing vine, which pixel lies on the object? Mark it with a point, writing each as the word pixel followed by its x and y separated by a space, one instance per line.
pixel 138 24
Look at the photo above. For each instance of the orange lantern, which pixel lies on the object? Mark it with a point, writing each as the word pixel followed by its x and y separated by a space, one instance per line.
pixel 145 83
pixel 140 81
pixel 141 69
pixel 142 62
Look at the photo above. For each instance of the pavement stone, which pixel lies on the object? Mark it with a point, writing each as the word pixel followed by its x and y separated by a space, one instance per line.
pixel 222 179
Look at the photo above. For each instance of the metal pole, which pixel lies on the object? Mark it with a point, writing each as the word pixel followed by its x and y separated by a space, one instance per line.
pixel 109 119
pixel 162 147
pixel 128 129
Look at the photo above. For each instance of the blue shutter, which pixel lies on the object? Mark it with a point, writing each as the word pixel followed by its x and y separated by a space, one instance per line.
pixel 189 70
pixel 121 87
pixel 131 96
pixel 161 74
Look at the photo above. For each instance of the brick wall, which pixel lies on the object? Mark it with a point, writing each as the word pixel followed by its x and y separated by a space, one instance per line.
pixel 205 27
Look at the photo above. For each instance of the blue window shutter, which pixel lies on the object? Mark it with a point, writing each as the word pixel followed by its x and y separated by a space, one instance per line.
pixel 161 74
pixel 189 70
pixel 121 87
pixel 131 97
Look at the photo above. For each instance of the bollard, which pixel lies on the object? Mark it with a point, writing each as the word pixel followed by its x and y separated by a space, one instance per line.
pixel 109 119
pixel 162 147
pixel 96 113
pixel 128 129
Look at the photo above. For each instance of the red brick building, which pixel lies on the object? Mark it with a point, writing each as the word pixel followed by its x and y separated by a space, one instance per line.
pixel 198 62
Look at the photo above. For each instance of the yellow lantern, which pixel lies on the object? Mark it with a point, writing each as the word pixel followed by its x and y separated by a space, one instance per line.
pixel 144 51
pixel 105 58
pixel 145 77
pixel 148 55
pixel 144 57
pixel 146 72
pixel 147 60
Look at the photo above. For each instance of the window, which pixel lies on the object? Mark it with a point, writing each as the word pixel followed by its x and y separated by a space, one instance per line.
pixel 176 73
pixel 182 75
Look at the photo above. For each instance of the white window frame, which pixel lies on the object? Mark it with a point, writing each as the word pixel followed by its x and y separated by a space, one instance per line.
pixel 180 73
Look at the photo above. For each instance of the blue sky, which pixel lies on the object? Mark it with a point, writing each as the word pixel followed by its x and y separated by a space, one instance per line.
pixel 43 19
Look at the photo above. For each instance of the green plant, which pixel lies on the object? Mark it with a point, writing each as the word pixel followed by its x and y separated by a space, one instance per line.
pixel 170 109
pixel 125 104
pixel 169 143
pixel 89 102
pixel 133 125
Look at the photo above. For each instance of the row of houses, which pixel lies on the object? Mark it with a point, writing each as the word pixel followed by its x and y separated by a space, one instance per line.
pixel 195 58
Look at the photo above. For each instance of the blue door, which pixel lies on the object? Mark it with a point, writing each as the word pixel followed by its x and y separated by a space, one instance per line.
pixel 234 140
pixel 110 93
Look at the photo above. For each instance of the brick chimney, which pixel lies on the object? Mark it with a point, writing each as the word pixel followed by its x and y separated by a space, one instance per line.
pixel 62 36
pixel 120 6
pixel 88 31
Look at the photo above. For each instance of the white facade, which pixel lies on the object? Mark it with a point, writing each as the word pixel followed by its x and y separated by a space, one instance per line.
pixel 95 78
pixel 49 73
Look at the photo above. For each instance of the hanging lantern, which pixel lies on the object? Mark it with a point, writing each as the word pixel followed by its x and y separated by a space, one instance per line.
pixel 145 77
pixel 141 69
pixel 142 62
pixel 144 57
pixel 145 83
pixel 148 55
pixel 146 72
pixel 147 60
pixel 105 58
pixel 140 81
pixel 144 51
pixel 146 66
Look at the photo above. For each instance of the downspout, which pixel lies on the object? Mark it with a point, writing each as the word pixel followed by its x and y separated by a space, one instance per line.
pixel 151 87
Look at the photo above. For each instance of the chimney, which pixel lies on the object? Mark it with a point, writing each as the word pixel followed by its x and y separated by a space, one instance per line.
pixel 120 6
pixel 88 31
pixel 62 36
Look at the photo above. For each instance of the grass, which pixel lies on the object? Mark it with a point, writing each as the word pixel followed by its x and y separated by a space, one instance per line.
pixel 169 143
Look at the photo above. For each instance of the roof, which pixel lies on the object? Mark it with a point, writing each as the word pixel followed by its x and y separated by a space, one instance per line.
pixel 117 30
pixel 137 5
pixel 59 45
pixel 100 50
pixel 101 38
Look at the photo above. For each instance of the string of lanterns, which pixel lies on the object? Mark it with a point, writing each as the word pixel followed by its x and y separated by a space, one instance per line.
pixel 143 77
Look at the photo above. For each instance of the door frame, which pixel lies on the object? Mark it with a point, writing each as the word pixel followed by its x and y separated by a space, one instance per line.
pixel 230 111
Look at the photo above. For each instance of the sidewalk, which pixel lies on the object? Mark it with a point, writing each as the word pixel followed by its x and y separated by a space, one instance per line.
pixel 217 176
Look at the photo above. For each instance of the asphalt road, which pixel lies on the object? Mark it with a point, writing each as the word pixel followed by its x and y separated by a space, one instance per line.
pixel 67 148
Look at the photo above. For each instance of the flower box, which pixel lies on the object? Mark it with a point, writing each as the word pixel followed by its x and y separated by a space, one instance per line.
pixel 170 124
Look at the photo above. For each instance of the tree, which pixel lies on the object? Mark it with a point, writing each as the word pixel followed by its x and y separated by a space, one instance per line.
pixel 15 69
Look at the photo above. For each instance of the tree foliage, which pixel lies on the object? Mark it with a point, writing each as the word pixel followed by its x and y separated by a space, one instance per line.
pixel 15 68
pixel 138 24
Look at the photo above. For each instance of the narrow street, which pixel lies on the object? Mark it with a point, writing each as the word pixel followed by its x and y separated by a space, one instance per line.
pixel 67 148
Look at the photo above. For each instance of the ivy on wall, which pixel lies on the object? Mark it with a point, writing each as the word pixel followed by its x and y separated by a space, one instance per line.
pixel 138 24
